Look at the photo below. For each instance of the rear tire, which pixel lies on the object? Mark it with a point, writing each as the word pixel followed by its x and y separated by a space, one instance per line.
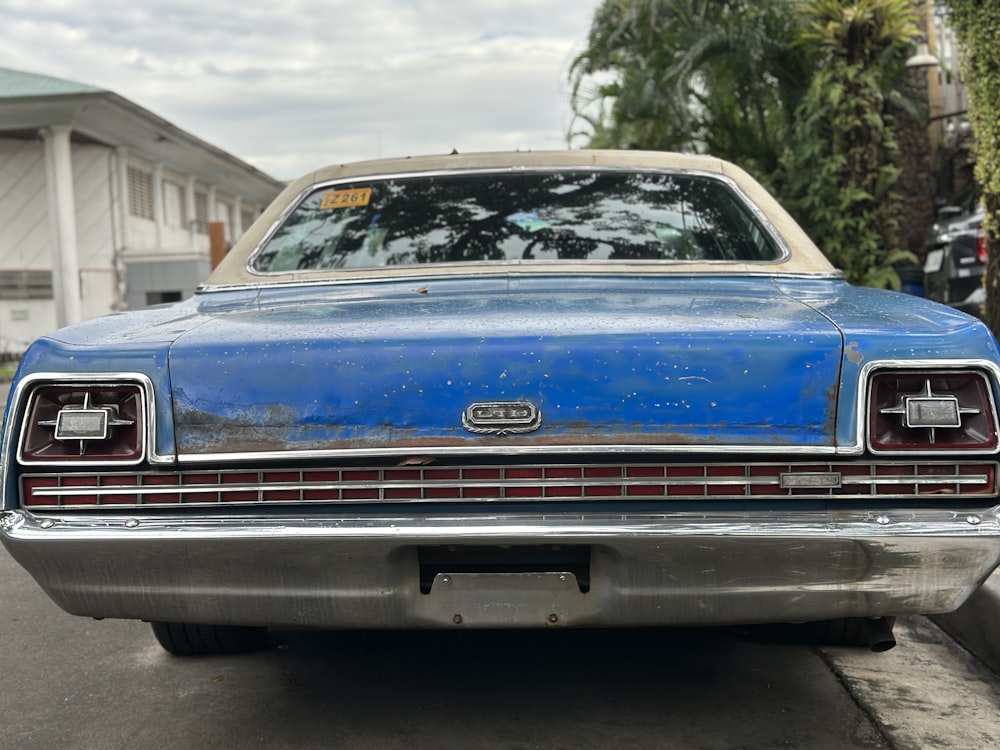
pixel 190 639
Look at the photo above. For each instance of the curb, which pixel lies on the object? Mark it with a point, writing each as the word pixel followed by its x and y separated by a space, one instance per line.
pixel 976 624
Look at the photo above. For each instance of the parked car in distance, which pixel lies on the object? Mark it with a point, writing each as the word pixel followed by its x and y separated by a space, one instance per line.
pixel 556 389
pixel 955 262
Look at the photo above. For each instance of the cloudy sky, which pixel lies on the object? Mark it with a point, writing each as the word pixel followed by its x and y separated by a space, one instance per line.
pixel 289 85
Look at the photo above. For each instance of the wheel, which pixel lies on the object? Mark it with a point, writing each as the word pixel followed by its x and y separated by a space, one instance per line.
pixel 190 639
pixel 874 633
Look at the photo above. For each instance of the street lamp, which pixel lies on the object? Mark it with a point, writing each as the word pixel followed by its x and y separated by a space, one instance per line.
pixel 923 57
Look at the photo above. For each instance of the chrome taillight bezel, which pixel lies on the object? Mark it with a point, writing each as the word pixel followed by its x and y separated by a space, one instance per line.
pixel 136 389
pixel 933 382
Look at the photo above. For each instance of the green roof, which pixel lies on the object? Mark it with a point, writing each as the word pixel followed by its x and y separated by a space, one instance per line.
pixel 17 83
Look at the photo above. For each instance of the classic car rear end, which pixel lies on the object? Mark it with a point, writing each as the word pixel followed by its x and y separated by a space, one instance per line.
pixel 521 390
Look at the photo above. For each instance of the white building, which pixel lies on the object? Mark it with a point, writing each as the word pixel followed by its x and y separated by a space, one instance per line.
pixel 105 206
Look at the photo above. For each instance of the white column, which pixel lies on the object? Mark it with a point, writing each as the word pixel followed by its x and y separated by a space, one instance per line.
pixel 118 179
pixel 238 228
pixel 158 204
pixel 121 179
pixel 191 211
pixel 62 210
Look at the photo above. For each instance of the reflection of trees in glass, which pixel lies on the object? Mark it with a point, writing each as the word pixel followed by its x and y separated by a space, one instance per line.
pixel 532 216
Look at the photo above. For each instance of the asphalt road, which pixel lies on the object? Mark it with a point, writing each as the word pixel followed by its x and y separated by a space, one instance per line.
pixel 73 683
pixel 70 682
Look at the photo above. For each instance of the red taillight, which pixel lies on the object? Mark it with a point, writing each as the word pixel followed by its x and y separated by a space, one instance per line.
pixel 931 411
pixel 982 245
pixel 84 423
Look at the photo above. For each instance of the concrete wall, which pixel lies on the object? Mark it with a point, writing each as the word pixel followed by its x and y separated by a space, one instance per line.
pixel 165 278
pixel 25 238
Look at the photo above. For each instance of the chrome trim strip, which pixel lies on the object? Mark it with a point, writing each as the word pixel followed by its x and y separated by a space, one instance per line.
pixel 841 523
pixel 769 228
pixel 785 481
pixel 783 485
pixel 990 371
pixel 520 450
pixel 541 268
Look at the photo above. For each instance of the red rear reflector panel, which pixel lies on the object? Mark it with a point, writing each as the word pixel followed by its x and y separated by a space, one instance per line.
pixel 514 484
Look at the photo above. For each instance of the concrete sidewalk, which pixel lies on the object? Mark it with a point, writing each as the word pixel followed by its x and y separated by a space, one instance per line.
pixel 976 625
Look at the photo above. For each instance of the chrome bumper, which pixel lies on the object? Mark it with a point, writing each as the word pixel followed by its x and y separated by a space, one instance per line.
pixel 333 571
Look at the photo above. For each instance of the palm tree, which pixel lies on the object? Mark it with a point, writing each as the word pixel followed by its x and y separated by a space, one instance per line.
pixel 692 75
pixel 841 169
pixel 799 93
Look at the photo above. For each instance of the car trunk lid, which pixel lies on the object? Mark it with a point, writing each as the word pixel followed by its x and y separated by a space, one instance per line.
pixel 452 366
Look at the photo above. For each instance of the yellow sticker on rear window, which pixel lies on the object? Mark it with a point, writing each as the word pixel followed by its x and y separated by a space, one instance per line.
pixel 346 198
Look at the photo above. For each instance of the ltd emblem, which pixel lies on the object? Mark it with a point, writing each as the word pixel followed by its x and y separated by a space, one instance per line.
pixel 501 417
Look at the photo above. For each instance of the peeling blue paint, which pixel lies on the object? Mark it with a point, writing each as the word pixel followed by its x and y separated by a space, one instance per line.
pixel 669 360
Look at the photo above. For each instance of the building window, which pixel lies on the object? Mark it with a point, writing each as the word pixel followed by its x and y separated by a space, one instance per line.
pixel 201 212
pixel 174 206
pixel 22 284
pixel 246 219
pixel 140 193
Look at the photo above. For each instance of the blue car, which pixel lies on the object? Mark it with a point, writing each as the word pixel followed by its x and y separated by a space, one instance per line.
pixel 566 389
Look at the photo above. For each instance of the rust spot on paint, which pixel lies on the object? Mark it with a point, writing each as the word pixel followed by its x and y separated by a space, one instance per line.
pixel 854 356
pixel 253 440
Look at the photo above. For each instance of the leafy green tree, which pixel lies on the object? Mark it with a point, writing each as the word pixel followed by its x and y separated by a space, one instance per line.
pixel 840 171
pixel 977 23
pixel 800 94
pixel 709 76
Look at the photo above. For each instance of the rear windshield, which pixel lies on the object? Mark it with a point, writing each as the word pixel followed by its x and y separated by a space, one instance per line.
pixel 516 217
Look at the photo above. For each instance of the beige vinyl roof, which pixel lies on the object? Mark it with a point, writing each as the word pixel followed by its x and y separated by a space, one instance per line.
pixel 804 258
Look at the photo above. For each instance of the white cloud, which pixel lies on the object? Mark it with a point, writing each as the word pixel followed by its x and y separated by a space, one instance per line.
pixel 293 85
